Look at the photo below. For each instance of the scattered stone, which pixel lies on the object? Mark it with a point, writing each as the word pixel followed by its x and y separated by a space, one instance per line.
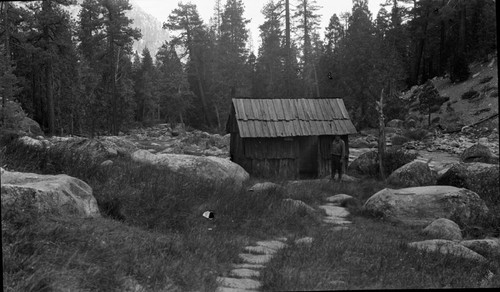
pixel 489 247
pixel 413 174
pixel 335 211
pixel 339 199
pixel 443 228
pixel 447 247
pixel 107 163
pixel 247 284
pixel 304 241
pixel 55 194
pixel 244 273
pixel 264 187
pixel 260 250
pixel 421 205
pixel 339 228
pixel 255 259
pixel 248 266
pixel 273 244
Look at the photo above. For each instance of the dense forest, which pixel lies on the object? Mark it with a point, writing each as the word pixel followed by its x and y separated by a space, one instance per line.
pixel 81 76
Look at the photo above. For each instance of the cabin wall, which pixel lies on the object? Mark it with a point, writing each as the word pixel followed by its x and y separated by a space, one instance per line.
pixel 279 157
pixel 271 157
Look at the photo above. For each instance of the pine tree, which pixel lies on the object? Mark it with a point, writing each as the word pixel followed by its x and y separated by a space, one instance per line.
pixel 186 19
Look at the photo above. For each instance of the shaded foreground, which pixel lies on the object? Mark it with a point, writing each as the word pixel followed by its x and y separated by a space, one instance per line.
pixel 160 242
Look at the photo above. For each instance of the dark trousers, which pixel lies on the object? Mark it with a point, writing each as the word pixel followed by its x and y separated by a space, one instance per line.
pixel 336 166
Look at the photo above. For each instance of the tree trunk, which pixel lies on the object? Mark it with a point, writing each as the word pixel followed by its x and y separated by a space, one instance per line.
pixel 287 49
pixel 381 136
pixel 48 73
pixel 419 49
pixel 8 89
pixel 316 80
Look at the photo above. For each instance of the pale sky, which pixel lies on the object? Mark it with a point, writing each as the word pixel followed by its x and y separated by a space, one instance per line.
pixel 162 8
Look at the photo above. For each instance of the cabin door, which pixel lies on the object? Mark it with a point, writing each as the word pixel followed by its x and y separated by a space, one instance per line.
pixel 308 157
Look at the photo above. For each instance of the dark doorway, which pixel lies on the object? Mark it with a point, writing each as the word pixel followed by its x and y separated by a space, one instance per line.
pixel 308 157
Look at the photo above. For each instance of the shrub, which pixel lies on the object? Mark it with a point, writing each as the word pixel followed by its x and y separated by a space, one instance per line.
pixel 485 79
pixel 399 140
pixel 470 94
pixel 416 134
pixel 14 114
pixel 394 158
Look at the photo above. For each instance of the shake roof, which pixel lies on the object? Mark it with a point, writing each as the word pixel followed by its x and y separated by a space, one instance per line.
pixel 292 117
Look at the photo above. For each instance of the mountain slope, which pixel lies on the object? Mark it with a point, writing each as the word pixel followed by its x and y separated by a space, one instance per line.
pixel 153 35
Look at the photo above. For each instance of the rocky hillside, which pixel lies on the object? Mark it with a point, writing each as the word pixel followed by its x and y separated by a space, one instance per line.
pixel 472 102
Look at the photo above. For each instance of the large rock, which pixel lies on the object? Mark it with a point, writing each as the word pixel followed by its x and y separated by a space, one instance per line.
pixel 489 247
pixel 54 194
pixel 365 164
pixel 477 153
pixel 443 228
pixel 422 205
pixel 413 174
pixel 479 177
pixel 447 247
pixel 31 127
pixel 212 169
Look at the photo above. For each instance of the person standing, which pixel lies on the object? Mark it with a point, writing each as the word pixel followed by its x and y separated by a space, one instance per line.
pixel 338 153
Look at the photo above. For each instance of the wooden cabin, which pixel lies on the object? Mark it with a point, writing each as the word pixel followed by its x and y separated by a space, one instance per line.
pixel 287 138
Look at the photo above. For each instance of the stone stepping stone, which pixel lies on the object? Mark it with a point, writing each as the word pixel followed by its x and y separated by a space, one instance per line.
pixel 334 211
pixel 304 240
pixel 227 289
pixel 247 284
pixel 244 273
pixel 248 266
pixel 339 199
pixel 260 249
pixel 337 221
pixel 272 244
pixel 255 259
pixel 339 228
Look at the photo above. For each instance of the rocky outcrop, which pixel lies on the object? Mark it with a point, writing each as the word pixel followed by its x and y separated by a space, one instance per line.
pixel 489 247
pixel 55 194
pixel 215 170
pixel 413 174
pixel 443 228
pixel 422 205
pixel 479 177
pixel 30 127
pixel 447 247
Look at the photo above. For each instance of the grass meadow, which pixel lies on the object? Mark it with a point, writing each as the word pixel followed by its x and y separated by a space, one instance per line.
pixel 152 235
